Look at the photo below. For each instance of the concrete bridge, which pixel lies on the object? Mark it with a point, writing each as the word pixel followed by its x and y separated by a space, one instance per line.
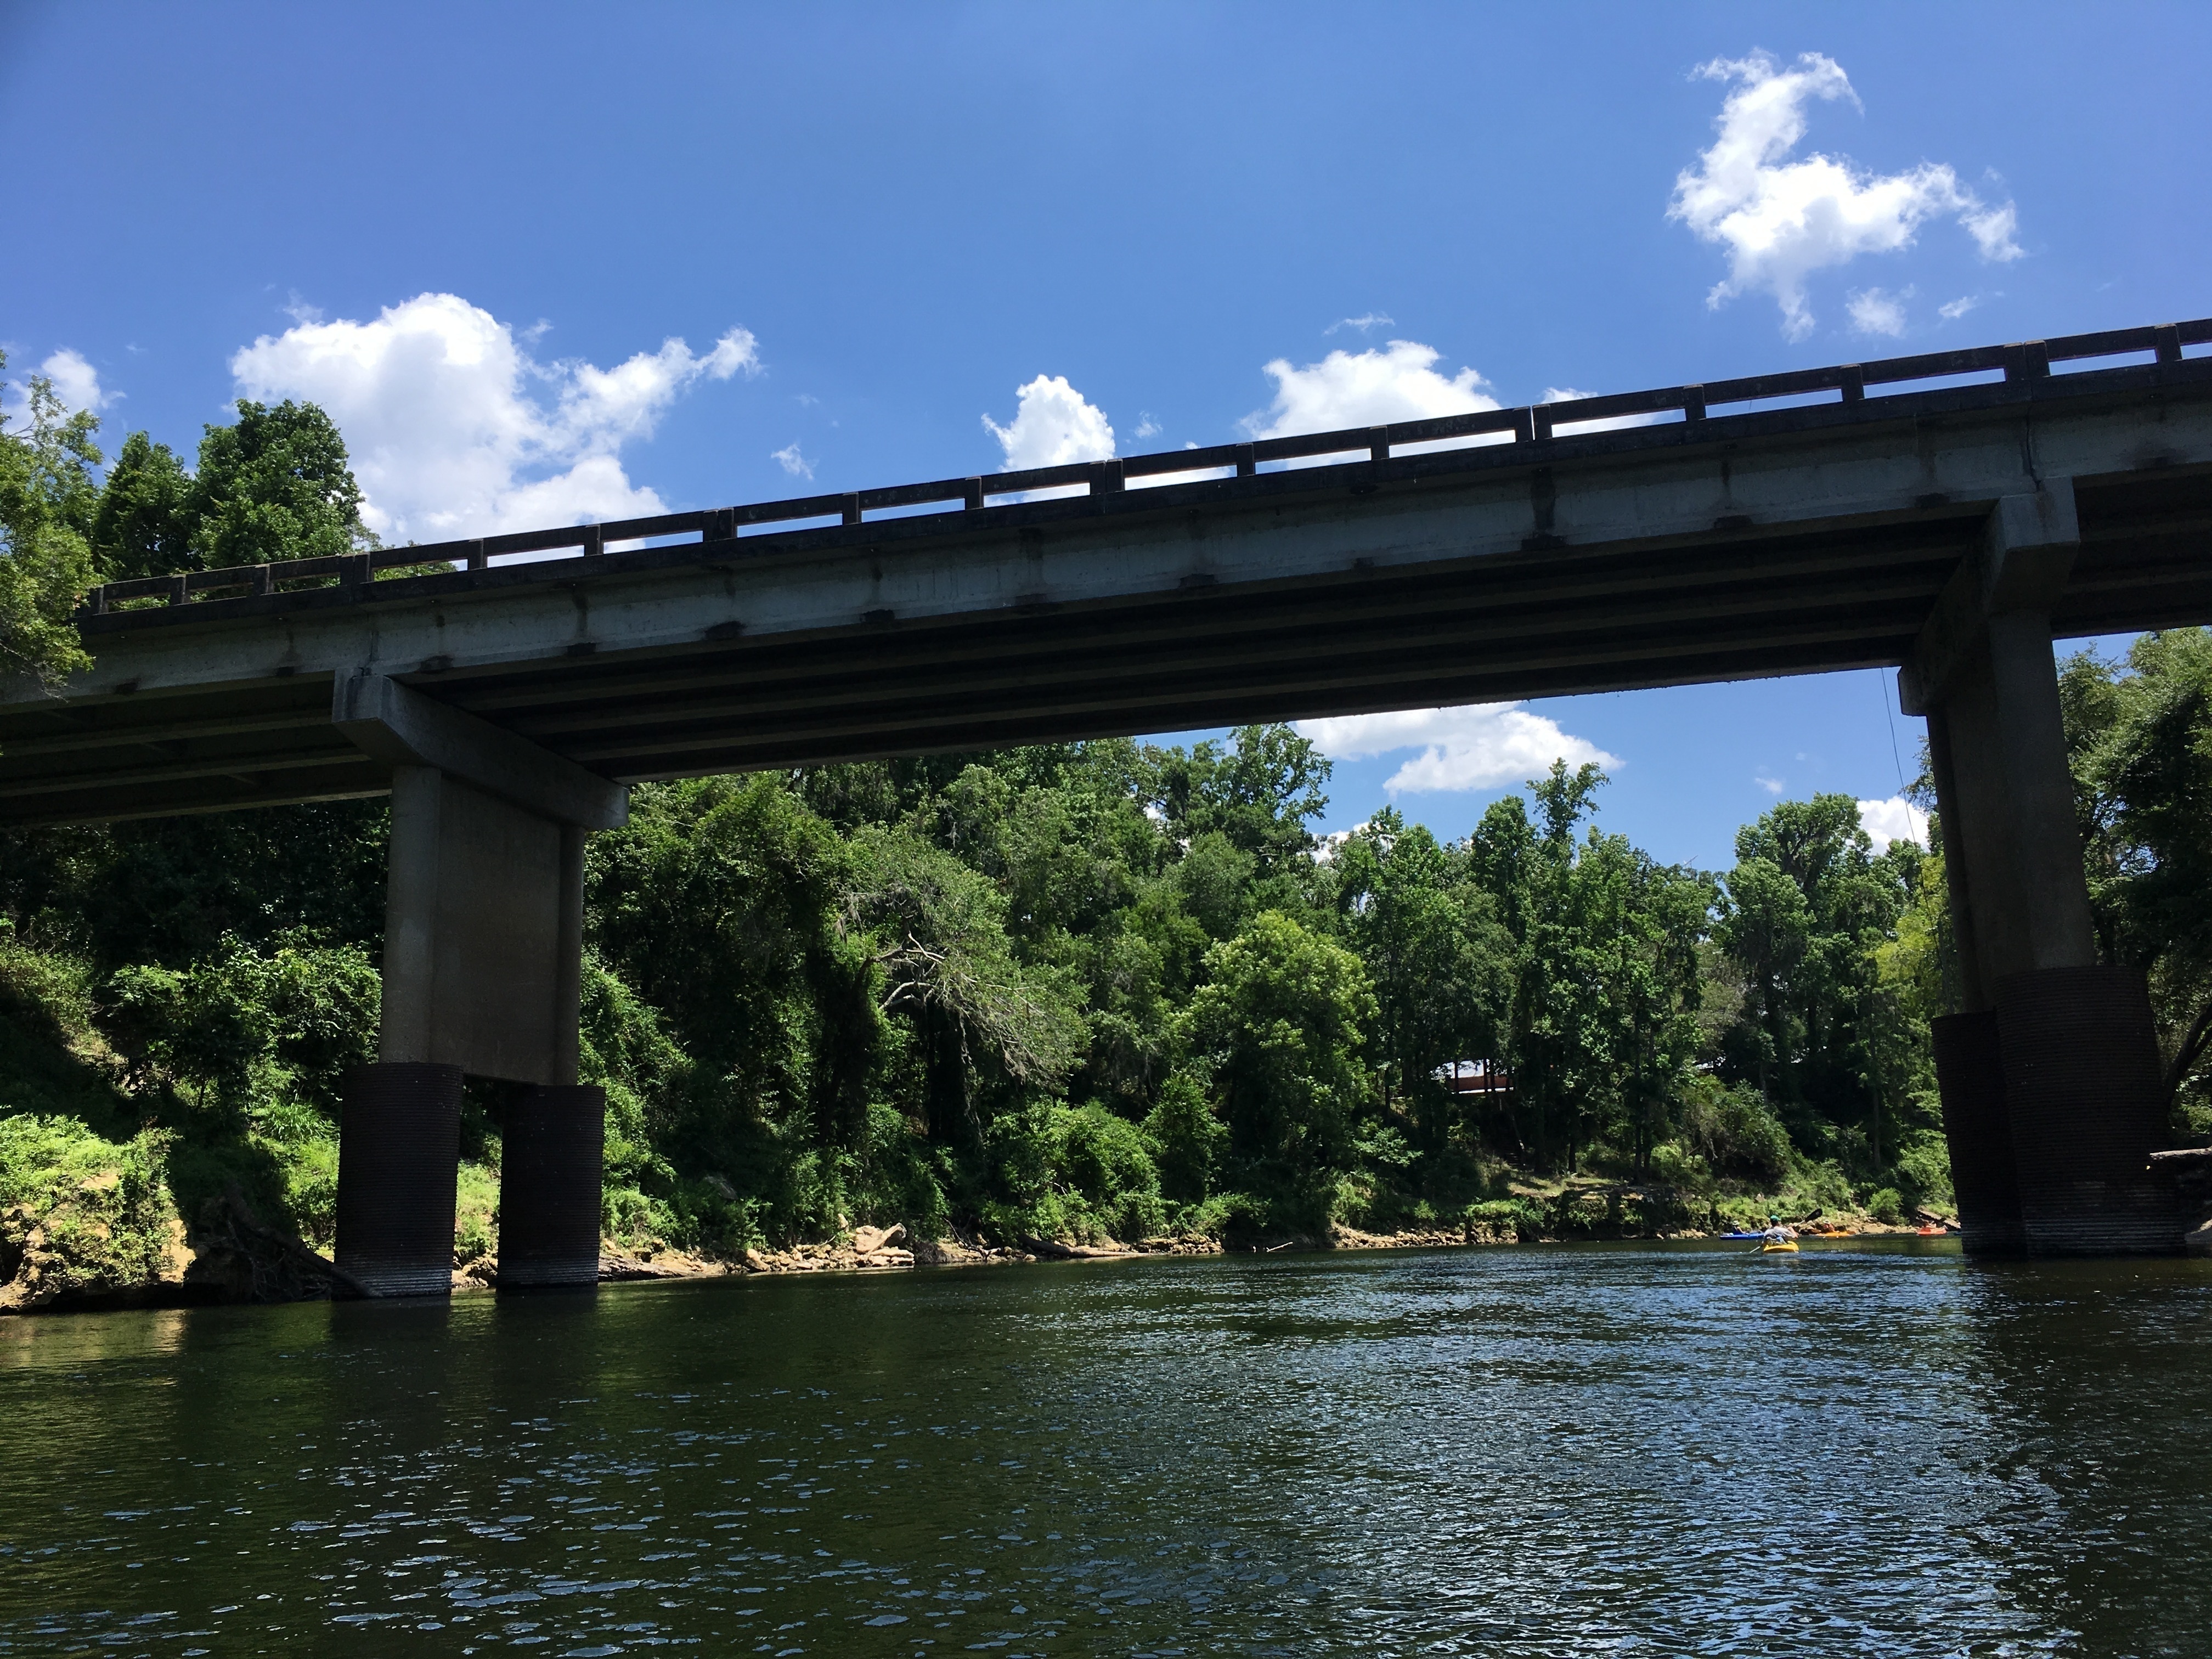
pixel 1946 514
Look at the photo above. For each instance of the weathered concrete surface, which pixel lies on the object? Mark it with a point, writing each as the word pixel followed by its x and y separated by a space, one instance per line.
pixel 483 933
pixel 388 722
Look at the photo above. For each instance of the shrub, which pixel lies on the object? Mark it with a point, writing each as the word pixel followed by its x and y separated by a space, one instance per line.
pixel 1187 1141
pixel 1735 1134
pixel 1923 1171
pixel 1080 1173
pixel 78 1212
pixel 1675 1164
pixel 1887 1207
pixel 1500 1219
pixel 475 1215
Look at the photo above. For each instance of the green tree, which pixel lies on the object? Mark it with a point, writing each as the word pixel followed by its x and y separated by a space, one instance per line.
pixel 2141 737
pixel 1435 955
pixel 275 485
pixel 1260 793
pixel 1557 1031
pixel 1808 906
pixel 47 501
pixel 1279 1029
pixel 935 932
pixel 143 523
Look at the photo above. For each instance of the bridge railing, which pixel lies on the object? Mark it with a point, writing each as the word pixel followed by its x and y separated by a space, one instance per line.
pixel 1538 423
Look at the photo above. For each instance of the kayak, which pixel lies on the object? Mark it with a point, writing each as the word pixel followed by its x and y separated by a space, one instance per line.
pixel 1743 1234
pixel 1778 1246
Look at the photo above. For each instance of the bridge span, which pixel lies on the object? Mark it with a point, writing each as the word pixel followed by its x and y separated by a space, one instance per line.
pixel 1946 514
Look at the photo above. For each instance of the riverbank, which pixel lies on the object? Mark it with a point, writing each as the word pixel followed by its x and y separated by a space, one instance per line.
pixel 76 1255
pixel 232 1258
pixel 872 1249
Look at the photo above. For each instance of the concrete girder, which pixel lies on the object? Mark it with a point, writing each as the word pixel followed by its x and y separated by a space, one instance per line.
pixel 403 727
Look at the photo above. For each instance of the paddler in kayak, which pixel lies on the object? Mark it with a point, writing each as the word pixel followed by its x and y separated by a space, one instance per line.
pixel 1776 1235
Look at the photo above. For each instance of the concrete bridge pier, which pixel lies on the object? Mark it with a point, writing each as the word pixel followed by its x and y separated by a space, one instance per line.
pixel 483 965
pixel 2053 1098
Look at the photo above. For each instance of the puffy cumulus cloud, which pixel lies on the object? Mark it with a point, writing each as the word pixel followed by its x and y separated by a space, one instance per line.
pixel 1476 746
pixel 455 429
pixel 1397 382
pixel 76 382
pixel 1877 310
pixel 792 461
pixel 1782 219
pixel 1054 425
pixel 1894 819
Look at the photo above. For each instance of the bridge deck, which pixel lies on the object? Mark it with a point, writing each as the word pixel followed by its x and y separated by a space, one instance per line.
pixel 1709 548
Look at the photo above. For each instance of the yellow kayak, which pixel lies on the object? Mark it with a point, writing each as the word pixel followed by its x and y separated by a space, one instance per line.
pixel 1773 1246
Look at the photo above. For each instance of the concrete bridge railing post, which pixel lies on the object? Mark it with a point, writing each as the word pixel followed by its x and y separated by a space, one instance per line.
pixel 483 977
pixel 2052 1097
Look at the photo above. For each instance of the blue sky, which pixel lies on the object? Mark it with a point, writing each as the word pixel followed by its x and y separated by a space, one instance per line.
pixel 472 232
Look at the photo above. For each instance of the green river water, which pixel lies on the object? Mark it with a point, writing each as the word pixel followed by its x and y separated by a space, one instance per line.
pixel 1634 1449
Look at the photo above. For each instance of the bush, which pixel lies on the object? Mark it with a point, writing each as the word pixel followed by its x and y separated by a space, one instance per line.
pixel 1678 1166
pixel 1923 1171
pixel 1735 1134
pixel 902 1179
pixel 1075 1173
pixel 475 1215
pixel 1187 1141
pixel 1887 1207
pixel 78 1212
pixel 242 1028
pixel 1815 1189
pixel 1499 1219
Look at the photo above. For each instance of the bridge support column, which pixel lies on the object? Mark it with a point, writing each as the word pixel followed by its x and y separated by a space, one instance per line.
pixel 483 971
pixel 2052 1098
pixel 551 1151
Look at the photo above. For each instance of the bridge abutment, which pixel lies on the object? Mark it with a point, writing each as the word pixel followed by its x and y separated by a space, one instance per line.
pixel 483 977
pixel 2052 1096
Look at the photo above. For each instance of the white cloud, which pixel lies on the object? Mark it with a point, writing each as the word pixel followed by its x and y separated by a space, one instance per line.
pixel 1772 786
pixel 1894 819
pixel 1952 310
pixel 1146 426
pixel 1782 221
pixel 1372 319
pixel 792 461
pixel 76 382
pixel 454 429
pixel 1054 425
pixel 1374 387
pixel 1877 310
pixel 1567 394
pixel 1476 746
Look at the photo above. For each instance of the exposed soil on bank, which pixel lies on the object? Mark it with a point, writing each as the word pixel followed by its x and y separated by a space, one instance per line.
pixel 886 1250
pixel 234 1260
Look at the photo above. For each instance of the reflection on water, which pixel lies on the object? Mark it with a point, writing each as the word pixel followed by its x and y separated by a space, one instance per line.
pixel 1636 1449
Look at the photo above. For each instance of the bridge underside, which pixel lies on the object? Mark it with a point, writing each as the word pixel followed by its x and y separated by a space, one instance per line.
pixel 1953 534
pixel 1463 576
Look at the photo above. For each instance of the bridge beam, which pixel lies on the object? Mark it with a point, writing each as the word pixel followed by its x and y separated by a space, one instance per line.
pixel 2052 1095
pixel 482 976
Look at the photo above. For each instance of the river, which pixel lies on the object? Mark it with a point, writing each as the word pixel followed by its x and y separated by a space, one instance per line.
pixel 1544 1450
